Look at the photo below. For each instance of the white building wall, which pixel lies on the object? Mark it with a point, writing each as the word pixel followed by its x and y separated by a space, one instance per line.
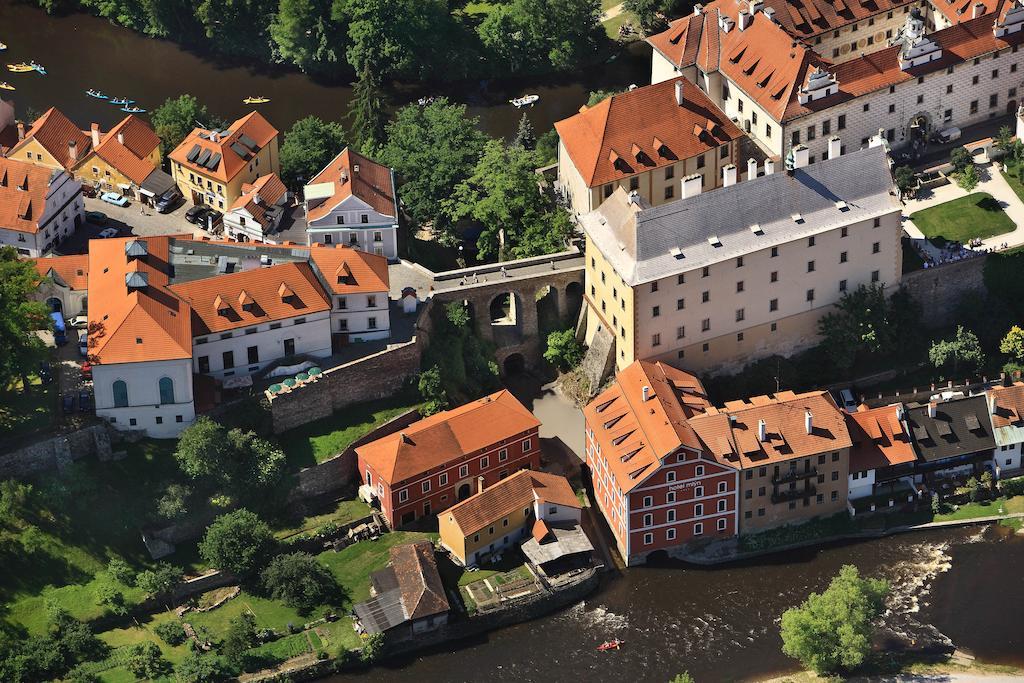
pixel 64 204
pixel 312 337
pixel 144 407
pixel 354 319
pixel 377 235
pixel 1008 458
pixel 550 512
pixel 862 486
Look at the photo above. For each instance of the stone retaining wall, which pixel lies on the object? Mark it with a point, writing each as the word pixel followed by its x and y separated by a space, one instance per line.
pixel 939 289
pixel 57 452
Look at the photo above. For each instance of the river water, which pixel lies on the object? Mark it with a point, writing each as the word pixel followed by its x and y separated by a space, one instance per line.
pixel 81 52
pixel 722 624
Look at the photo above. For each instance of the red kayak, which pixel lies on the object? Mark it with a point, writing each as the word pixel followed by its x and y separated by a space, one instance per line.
pixel 610 645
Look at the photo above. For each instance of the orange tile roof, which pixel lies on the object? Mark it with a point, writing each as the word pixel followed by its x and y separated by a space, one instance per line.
pixel 350 271
pixel 513 493
pixel 540 530
pixel 1009 405
pixel 227 302
pixel 129 157
pixel 72 270
pixel 145 324
pixel 730 433
pixel 54 131
pixel 811 18
pixel 256 197
pixel 252 125
pixel 21 209
pixel 643 129
pixel 957 11
pixel 448 435
pixel 373 184
pixel 635 435
pixel 878 439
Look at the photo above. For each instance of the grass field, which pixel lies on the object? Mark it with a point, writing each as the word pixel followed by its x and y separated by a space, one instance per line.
pixel 23 414
pixel 1013 178
pixel 353 565
pixel 340 512
pixel 318 441
pixel 960 220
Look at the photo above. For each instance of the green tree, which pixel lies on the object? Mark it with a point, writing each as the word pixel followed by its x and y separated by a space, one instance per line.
pixel 110 596
pixel 146 661
pixel 373 647
pixel 563 349
pixel 177 116
pixel 962 348
pixel 968 178
pixel 503 196
pixel 305 35
pixel 541 35
pixel 367 114
pixel 308 147
pixel 240 461
pixel 649 12
pixel 20 318
pixel 222 21
pixel 961 159
pixel 173 504
pixel 684 677
pixel 15 502
pixel 831 631
pixel 237 542
pixel 171 632
pixel 525 137
pixel 160 580
pixel 857 325
pixel 904 178
pixel 240 638
pixel 300 581
pixel 199 668
pixel 546 149
pixel 1013 344
pixel 432 392
pixel 121 571
pixel 1004 140
pixel 598 96
pixel 433 149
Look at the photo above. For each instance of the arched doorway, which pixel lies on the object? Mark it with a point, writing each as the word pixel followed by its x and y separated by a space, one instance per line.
pixel 503 309
pixel 573 300
pixel 514 364
pixel 464 492
pixel 547 309
pixel 1011 107
pixel 55 304
pixel 918 131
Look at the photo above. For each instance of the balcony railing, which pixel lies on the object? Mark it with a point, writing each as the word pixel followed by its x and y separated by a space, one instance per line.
pixel 794 475
pixel 786 495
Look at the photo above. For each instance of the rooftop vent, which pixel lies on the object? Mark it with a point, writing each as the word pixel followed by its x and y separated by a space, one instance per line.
pixel 757 229
pixel 676 252
pixel 798 218
pixel 842 206
pixel 714 241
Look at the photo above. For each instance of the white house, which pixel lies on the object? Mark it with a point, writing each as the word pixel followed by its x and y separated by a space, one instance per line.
pixel 258 212
pixel 882 455
pixel 357 283
pixel 39 206
pixel 152 396
pixel 1006 408
pixel 353 202
pixel 67 286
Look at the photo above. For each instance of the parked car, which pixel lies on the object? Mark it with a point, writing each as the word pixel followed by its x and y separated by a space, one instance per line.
pixel 86 370
pixel 96 217
pixel 83 345
pixel 114 198
pixel 849 403
pixel 80 321
pixel 68 403
pixel 212 220
pixel 85 401
pixel 108 232
pixel 45 372
pixel 168 201
pixel 195 214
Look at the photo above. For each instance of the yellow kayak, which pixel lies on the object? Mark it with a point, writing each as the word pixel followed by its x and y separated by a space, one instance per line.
pixel 20 68
pixel 4 85
pixel 256 100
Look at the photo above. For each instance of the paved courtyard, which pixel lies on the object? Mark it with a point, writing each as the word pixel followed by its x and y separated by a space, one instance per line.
pixel 134 219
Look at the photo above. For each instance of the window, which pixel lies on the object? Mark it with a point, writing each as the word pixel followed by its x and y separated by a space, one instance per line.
pixel 403 495
pixel 705 271
pixel 648 501
pixel 705 325
pixel 443 479
pixel 204 364
pixel 842 257
pixel 775 252
pixel 425 486
pixel 723 152
pixel 748 494
pixel 680 304
pixel 768 130
pixel 503 455
pixel 876 247
pixel 228 357
pixel 526 446
pixel 974 106
pixel 670 173
pixel 698 529
pixel 774 277
pixel 867 107
pixel 874 276
pixel 670 476
pixel 648 538
pixel 634 183
pixel 698 510
pixel 484 462
pixel 655 311
pixel 670 534
pixel 773 305
pixel 740 315
pixel 670 497
pixel 463 471
pixel 753 119
pixel 120 389
pixel 698 492
pixel 993 100
pixel 810 295
pixel 705 296
pixel 166 385
pixel 648 519
pixel 841 122
pixel 680 332
pixel 739 261
pixel 253 354
pixel 670 191
pixel 363 218
pixel 810 266
pixel 739 286
pixel 656 339
pixel 159 420
pixel 842 285
pixel 670 516
pixel 700 161
pixel 698 471
pixel 995 74
pixel 826 126
pixel 795 137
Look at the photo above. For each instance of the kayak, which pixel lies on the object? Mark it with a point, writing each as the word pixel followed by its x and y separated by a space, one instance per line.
pixel 36 66
pixel 256 100
pixel 133 110
pixel 4 85
pixel 610 645
pixel 20 68
pixel 3 46
pixel 121 101
pixel 97 94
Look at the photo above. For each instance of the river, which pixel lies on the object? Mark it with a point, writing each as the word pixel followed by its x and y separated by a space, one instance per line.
pixel 80 52
pixel 722 624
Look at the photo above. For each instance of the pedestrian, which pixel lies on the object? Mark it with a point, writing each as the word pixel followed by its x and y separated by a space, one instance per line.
pixel 504 273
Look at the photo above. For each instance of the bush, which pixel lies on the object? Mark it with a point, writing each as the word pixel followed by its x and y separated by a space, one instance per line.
pixel 109 596
pixel 241 637
pixel 237 542
pixel 1012 487
pixel 121 571
pixel 373 647
pixel 171 632
pixel 200 668
pixel 173 504
pixel 146 661
pixel 563 350
pixel 300 581
pixel 159 581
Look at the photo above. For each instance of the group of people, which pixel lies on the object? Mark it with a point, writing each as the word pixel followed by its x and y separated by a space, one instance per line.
pixel 956 251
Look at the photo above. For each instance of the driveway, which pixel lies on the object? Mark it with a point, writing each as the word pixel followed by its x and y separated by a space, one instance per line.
pixel 134 219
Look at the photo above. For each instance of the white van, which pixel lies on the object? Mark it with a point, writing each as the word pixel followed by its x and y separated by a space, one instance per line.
pixel 949 135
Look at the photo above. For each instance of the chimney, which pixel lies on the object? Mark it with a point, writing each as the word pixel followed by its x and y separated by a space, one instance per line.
pixel 755 5
pixel 769 166
pixel 931 409
pixel 991 403
pixel 762 431
pixel 480 483
pixel 692 185
pixel 73 150
pixel 697 9
pixel 729 175
pixel 808 422
pixel 743 20
pixel 977 10
pixel 751 169
pixel 344 176
pixel 21 130
pixel 646 391
pixel 899 412
pixel 120 138
pixel 835 147
pixel 679 92
pixel 801 156
pixel 95 132
pixel 633 197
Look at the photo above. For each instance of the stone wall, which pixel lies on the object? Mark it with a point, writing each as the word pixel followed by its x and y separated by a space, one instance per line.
pixel 57 452
pixel 939 289
pixel 340 470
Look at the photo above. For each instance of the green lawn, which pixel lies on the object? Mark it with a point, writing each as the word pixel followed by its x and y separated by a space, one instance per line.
pixel 341 512
pixel 353 565
pixel 1013 178
pixel 318 441
pixel 269 614
pixel 960 220
pixel 22 414
pixel 991 508
pixel 611 27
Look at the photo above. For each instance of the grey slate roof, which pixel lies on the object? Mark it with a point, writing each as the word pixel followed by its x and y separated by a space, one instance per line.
pixel 567 541
pixel 638 242
pixel 960 427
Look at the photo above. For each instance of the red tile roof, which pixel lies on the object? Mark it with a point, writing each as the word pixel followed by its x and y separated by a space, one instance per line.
pixel 267 191
pixel 643 129
pixel 73 270
pixel 1009 405
pixel 418 579
pixel 810 18
pixel 447 436
pixel 878 439
pixel 372 183
pixel 23 189
pixel 251 297
pixel 54 131
pixel 513 493
pixel 253 125
pixel 350 271
pixel 636 435
pixel 130 156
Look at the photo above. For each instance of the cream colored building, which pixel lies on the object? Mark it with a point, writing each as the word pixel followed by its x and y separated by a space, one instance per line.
pixel 908 69
pixel 714 281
